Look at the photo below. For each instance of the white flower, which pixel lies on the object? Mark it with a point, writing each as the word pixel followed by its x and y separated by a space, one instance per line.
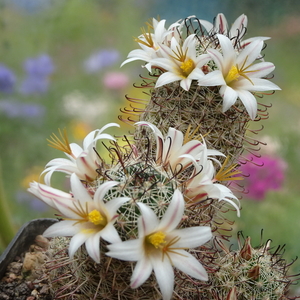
pixel 238 75
pixel 181 63
pixel 160 246
pixel 202 185
pixel 236 31
pixel 82 161
pixel 170 150
pixel 150 43
pixel 221 26
pixel 86 218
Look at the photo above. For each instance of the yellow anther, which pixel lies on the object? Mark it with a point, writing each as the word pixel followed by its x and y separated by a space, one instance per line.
pixel 157 239
pixel 95 217
pixel 60 143
pixel 187 67
pixel 147 41
pixel 232 75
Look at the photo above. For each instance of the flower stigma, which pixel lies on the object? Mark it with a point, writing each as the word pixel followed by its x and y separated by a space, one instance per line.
pixel 148 42
pixel 232 75
pixel 187 67
pixel 157 239
pixel 96 218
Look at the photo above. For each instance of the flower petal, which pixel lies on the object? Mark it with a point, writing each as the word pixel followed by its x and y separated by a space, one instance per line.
pixel 188 264
pixel 110 234
pixel 211 79
pixel 166 78
pixel 148 221
pixel 249 102
pixel 257 85
pixel 78 189
pixel 92 246
pixel 229 54
pixel 62 228
pixel 173 214
pixel 76 241
pixel 113 205
pixel 229 97
pixel 141 273
pixel 130 250
pixel 192 237
pixel 102 190
pixel 164 276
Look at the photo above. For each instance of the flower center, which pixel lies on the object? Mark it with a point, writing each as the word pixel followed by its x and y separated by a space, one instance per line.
pixel 157 239
pixel 187 67
pixel 233 74
pixel 96 218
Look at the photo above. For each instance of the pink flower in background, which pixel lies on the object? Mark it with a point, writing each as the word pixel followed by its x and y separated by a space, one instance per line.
pixel 264 174
pixel 115 80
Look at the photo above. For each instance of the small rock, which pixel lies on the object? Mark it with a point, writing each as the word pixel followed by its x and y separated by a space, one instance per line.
pixel 42 241
pixel 15 267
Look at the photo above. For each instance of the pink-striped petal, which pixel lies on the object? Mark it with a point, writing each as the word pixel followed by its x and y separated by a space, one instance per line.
pixel 164 276
pixel 173 214
pixel 141 273
pixel 188 264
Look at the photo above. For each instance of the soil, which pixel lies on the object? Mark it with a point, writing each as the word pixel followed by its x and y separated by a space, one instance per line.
pixel 23 279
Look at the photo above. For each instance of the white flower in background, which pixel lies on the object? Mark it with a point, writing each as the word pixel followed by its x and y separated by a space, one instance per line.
pixel 150 43
pixel 238 75
pixel 82 161
pixel 89 109
pixel 160 247
pixel 86 219
pixel 180 62
pixel 170 150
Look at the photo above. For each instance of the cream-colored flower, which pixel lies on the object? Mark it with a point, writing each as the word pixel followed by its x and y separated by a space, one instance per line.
pixel 150 43
pixel 180 62
pixel 238 74
pixel 86 219
pixel 160 247
pixel 82 161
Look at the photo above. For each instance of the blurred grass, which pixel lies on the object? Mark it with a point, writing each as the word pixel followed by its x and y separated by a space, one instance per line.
pixel 69 32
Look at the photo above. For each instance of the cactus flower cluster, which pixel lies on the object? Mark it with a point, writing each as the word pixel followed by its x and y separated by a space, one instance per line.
pixel 147 212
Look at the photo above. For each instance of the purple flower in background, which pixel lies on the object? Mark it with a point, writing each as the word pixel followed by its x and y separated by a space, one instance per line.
pixel 264 174
pixel 40 66
pixel 7 79
pixel 38 70
pixel 16 109
pixel 34 85
pixel 101 59
pixel 33 202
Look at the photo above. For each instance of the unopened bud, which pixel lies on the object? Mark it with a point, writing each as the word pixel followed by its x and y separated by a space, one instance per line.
pixel 254 273
pixel 232 294
pixel 246 251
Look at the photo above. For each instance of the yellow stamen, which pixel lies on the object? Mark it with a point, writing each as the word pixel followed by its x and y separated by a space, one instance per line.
pixel 187 67
pixel 95 217
pixel 225 174
pixel 235 72
pixel 179 55
pixel 157 239
pixel 192 135
pixel 232 75
pixel 61 143
pixel 148 42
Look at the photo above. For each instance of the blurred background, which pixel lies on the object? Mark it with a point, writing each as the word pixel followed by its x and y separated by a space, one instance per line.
pixel 60 68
